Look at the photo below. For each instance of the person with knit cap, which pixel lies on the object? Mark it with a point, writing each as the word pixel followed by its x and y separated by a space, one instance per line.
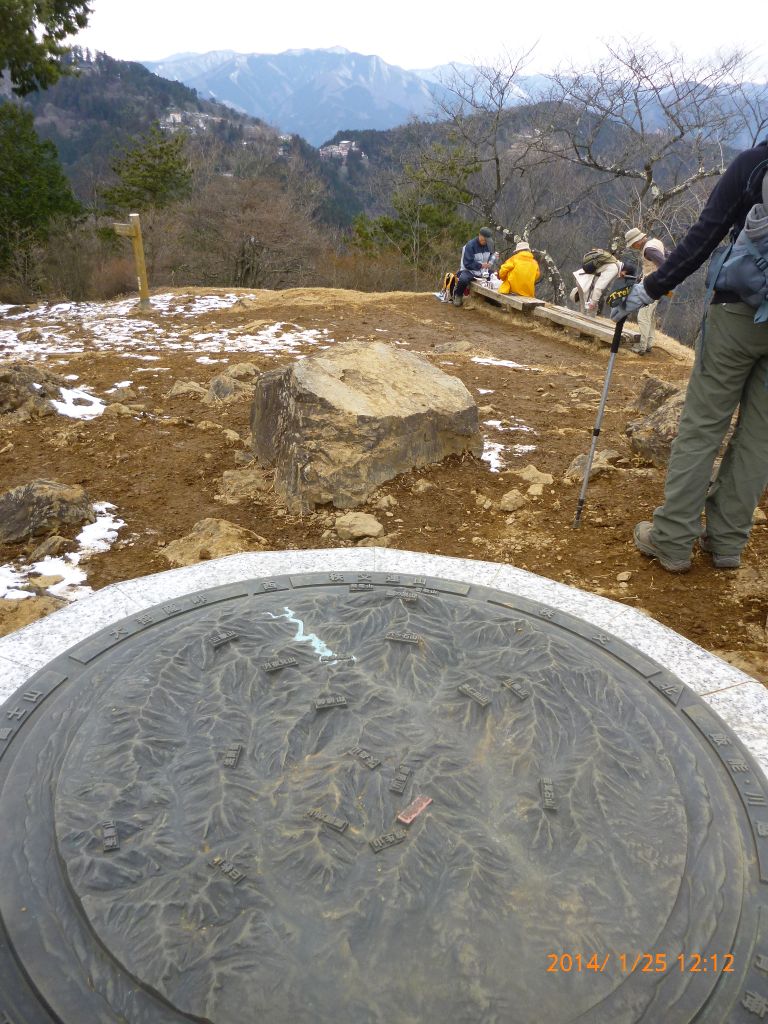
pixel 520 272
pixel 475 258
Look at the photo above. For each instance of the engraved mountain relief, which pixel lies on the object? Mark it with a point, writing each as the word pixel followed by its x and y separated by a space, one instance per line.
pixel 311 822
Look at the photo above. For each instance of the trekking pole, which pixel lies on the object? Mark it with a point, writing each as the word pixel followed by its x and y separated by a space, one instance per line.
pixel 596 429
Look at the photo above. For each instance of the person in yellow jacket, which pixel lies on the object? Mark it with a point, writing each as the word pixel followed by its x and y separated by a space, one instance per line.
pixel 520 272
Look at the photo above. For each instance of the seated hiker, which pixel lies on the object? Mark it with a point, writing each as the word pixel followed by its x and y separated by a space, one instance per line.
pixel 520 272
pixel 475 258
pixel 598 269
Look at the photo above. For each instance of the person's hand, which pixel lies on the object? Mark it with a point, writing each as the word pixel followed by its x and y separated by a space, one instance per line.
pixel 591 307
pixel 624 305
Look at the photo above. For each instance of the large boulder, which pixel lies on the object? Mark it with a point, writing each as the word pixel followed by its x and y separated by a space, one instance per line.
pixel 340 423
pixel 42 507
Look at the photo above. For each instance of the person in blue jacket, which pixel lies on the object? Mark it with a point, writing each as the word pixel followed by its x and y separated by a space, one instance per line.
pixel 475 258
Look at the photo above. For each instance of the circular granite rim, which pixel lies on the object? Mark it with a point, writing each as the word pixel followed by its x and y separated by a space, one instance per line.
pixel 740 700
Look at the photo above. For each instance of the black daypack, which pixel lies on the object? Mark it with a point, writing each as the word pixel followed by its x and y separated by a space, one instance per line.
pixel 594 260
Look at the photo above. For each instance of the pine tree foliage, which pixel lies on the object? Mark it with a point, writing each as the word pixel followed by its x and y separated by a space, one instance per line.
pixel 153 174
pixel 31 40
pixel 33 189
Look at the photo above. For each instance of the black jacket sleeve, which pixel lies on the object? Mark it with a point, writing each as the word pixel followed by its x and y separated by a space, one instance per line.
pixel 727 207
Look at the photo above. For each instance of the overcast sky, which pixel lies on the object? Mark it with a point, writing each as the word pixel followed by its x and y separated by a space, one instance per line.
pixel 417 33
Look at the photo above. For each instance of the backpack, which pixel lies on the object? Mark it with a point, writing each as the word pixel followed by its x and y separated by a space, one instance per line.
pixel 595 259
pixel 450 280
pixel 743 267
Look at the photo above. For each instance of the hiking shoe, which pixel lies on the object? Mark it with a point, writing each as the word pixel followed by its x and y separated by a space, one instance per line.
pixel 457 299
pixel 637 350
pixel 644 544
pixel 719 561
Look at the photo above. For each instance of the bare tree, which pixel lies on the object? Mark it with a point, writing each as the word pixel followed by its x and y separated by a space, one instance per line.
pixel 651 125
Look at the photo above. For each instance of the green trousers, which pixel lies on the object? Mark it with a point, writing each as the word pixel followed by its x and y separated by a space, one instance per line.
pixel 731 369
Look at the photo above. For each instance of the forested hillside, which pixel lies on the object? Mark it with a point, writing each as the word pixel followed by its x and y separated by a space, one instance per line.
pixel 227 200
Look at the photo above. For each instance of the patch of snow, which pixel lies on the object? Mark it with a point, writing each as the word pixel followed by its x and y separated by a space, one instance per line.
pixel 493 455
pixel 72 376
pixel 78 404
pixel 94 538
pixel 485 391
pixel 207 360
pixel 515 425
pixel 116 387
pixel 502 362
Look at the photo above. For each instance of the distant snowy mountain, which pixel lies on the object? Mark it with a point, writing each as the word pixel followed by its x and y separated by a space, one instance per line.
pixel 313 93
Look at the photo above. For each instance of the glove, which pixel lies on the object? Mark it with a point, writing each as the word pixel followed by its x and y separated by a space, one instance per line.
pixel 632 299
pixel 591 307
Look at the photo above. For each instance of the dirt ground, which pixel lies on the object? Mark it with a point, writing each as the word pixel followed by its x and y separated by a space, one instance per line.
pixel 162 472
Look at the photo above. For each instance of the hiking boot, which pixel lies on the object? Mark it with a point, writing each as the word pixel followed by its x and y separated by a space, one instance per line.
pixel 644 543
pixel 637 350
pixel 458 300
pixel 719 561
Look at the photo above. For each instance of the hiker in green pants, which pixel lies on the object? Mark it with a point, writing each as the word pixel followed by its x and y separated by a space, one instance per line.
pixel 730 371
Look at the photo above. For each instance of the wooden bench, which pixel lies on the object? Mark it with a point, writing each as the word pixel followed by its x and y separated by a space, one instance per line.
pixel 579 323
pixel 521 303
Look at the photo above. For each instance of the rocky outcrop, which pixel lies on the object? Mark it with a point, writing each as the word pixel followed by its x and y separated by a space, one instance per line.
pixel 42 507
pixel 338 424
pixel 652 436
pixel 654 393
pixel 25 391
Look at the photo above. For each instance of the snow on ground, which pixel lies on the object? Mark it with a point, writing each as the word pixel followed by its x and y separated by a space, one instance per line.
pixel 487 361
pixel 78 404
pixel 94 538
pixel 71 328
pixel 493 454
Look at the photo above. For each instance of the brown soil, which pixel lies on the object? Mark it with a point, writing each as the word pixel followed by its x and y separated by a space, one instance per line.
pixel 162 472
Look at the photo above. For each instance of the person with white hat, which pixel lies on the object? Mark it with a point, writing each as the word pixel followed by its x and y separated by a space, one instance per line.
pixel 653 255
pixel 520 272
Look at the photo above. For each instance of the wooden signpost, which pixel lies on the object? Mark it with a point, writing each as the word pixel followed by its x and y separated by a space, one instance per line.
pixel 132 230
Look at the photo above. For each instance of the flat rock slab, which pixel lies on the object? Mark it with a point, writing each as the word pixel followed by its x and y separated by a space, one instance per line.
pixel 360 796
pixel 340 423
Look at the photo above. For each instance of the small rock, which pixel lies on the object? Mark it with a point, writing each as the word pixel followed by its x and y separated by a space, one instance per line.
pixel 485 411
pixel 185 388
pixel 512 501
pixel 758 516
pixel 241 485
pixel 211 538
pixel 242 371
pixel 116 410
pixel 43 582
pixel 624 577
pixel 532 475
pixel 208 425
pixel 601 464
pixel 122 395
pixel 50 548
pixel 384 502
pixel 421 487
pixel 232 437
pixel 357 525
pixel 536 490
